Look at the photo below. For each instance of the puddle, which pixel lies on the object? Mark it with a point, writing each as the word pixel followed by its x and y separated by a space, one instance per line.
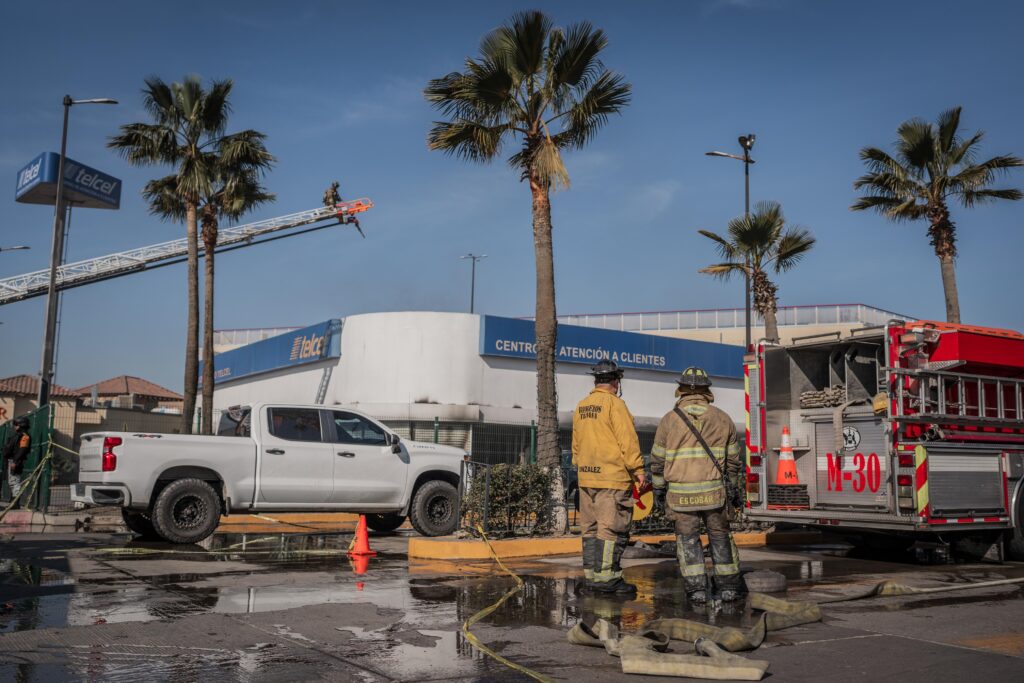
pixel 14 573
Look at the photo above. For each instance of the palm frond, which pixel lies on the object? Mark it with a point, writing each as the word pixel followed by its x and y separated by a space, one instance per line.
pixel 574 60
pixel 971 197
pixel 725 248
pixel 547 163
pixel 792 246
pixel 216 107
pixel 245 149
pixel 724 271
pixel 467 139
pixel 948 123
pixel 608 95
pixel 164 201
pixel 158 100
pixel 145 144
pixel 915 145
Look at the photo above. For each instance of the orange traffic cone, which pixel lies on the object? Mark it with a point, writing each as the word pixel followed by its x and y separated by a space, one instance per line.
pixel 361 543
pixel 786 473
pixel 360 564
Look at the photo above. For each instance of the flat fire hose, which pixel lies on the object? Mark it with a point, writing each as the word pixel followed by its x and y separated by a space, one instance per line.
pixel 644 652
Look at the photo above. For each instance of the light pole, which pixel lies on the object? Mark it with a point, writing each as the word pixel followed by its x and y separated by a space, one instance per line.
pixel 472 281
pixel 747 143
pixel 17 248
pixel 56 256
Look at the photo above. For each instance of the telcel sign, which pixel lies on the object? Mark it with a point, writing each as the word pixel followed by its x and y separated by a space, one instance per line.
pixel 83 186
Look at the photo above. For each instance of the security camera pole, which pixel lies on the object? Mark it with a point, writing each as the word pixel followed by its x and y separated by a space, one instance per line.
pixel 747 143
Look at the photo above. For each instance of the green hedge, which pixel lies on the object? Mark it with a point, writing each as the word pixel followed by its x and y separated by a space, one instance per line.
pixel 519 500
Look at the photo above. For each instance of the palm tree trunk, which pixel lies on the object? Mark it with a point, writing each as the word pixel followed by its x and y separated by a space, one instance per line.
pixel 192 335
pixel 549 452
pixel 210 243
pixel 942 234
pixel 766 302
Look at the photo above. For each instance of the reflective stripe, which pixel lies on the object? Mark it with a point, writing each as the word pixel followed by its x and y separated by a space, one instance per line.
pixel 658 481
pixel 692 569
pixel 695 487
pixel 588 574
pixel 734 566
pixel 733 448
pixel 693 452
pixel 604 577
pixel 658 451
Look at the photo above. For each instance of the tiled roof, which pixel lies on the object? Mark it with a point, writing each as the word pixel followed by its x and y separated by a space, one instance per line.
pixel 125 384
pixel 26 385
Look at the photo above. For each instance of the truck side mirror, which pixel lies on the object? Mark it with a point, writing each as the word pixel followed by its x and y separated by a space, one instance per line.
pixel 393 441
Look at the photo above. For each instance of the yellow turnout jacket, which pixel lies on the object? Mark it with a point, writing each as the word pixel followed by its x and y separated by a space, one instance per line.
pixel 605 448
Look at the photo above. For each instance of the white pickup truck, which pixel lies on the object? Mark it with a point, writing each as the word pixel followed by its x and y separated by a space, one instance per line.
pixel 271 458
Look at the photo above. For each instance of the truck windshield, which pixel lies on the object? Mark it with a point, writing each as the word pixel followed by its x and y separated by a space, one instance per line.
pixel 234 421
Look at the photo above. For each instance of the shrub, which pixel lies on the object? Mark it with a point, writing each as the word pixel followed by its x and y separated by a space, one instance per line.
pixel 518 499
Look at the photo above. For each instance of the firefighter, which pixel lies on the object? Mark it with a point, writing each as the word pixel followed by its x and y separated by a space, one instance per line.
pixel 606 451
pixel 695 486
pixel 16 451
pixel 331 196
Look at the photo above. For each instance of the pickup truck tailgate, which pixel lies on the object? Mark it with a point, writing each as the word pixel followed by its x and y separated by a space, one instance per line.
pixel 90 455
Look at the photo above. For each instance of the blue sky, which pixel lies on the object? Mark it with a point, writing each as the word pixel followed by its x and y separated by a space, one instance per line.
pixel 337 88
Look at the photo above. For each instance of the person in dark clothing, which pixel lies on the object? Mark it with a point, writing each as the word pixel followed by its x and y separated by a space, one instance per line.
pixel 16 451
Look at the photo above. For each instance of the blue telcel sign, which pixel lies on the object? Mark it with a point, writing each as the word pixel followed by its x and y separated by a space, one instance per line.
pixel 83 186
pixel 308 345
pixel 514 338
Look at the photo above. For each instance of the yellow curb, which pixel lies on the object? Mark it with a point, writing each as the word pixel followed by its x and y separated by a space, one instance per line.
pixel 449 548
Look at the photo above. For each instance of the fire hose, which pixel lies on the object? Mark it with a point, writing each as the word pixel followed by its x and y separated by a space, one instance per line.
pixel 645 652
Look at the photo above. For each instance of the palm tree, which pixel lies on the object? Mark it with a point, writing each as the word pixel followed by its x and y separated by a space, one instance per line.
pixel 187 132
pixel 757 243
pixel 234 191
pixel 546 89
pixel 933 164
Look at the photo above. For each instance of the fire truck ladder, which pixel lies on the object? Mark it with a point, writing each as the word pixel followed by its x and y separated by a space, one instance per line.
pixel 71 275
pixel 953 398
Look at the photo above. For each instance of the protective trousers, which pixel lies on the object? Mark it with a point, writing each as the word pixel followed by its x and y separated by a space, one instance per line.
pixel 691 554
pixel 605 516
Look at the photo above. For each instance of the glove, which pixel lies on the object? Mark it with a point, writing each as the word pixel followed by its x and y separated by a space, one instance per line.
pixel 659 499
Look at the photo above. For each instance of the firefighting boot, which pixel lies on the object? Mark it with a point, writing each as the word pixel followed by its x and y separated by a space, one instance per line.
pixel 727 567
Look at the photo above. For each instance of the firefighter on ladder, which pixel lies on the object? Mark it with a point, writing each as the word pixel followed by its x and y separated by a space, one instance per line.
pixel 695 487
pixel 606 451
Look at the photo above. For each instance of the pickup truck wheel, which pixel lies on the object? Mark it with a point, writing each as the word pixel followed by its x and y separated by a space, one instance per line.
pixel 139 523
pixel 434 509
pixel 186 511
pixel 385 522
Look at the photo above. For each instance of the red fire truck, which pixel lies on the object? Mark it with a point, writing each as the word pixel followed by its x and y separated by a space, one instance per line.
pixel 907 431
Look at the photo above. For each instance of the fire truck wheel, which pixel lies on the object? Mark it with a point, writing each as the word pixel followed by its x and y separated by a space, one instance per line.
pixel 1016 544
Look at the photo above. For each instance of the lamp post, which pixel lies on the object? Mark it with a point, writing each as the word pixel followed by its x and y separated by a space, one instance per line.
pixel 472 281
pixel 56 256
pixel 747 143
pixel 17 248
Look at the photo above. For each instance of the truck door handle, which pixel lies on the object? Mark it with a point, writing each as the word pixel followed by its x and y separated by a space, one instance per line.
pixel 346 454
pixel 275 451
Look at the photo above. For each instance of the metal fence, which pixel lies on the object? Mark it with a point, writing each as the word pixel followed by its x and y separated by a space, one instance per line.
pixel 37 472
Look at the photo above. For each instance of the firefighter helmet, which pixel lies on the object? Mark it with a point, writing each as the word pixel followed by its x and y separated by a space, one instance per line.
pixel 606 370
pixel 694 377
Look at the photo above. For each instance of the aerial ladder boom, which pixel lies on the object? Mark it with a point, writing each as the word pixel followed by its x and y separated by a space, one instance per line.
pixel 70 275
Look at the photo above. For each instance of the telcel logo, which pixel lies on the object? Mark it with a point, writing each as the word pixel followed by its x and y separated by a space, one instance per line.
pixel 83 178
pixel 29 174
pixel 307 347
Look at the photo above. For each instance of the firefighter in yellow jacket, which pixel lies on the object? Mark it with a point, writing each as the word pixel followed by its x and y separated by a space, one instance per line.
pixel 695 487
pixel 606 452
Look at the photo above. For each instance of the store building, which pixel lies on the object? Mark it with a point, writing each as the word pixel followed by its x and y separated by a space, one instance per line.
pixel 463 376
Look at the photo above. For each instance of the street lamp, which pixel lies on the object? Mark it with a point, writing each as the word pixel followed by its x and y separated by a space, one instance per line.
pixel 56 256
pixel 747 143
pixel 472 281
pixel 17 248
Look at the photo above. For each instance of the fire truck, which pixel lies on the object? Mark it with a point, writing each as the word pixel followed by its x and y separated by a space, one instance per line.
pixel 910 432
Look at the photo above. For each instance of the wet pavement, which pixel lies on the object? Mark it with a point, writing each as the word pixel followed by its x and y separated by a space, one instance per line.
pixel 269 607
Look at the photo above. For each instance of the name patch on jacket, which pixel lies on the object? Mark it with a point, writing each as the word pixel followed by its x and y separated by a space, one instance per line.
pixel 590 412
pixel 590 468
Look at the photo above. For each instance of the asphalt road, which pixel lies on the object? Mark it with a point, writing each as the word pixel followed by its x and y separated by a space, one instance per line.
pixel 266 607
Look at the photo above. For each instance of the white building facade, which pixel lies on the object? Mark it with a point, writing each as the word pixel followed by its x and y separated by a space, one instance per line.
pixel 463 367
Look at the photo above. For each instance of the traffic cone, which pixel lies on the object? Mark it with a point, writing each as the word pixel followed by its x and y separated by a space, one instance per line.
pixel 361 543
pixel 360 564
pixel 786 472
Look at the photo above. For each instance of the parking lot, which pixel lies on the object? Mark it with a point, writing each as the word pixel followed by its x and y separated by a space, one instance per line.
pixel 270 606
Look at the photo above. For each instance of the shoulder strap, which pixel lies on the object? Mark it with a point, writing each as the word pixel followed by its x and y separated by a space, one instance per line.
pixel 696 433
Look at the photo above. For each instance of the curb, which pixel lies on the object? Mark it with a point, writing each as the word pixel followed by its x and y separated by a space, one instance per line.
pixel 451 548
